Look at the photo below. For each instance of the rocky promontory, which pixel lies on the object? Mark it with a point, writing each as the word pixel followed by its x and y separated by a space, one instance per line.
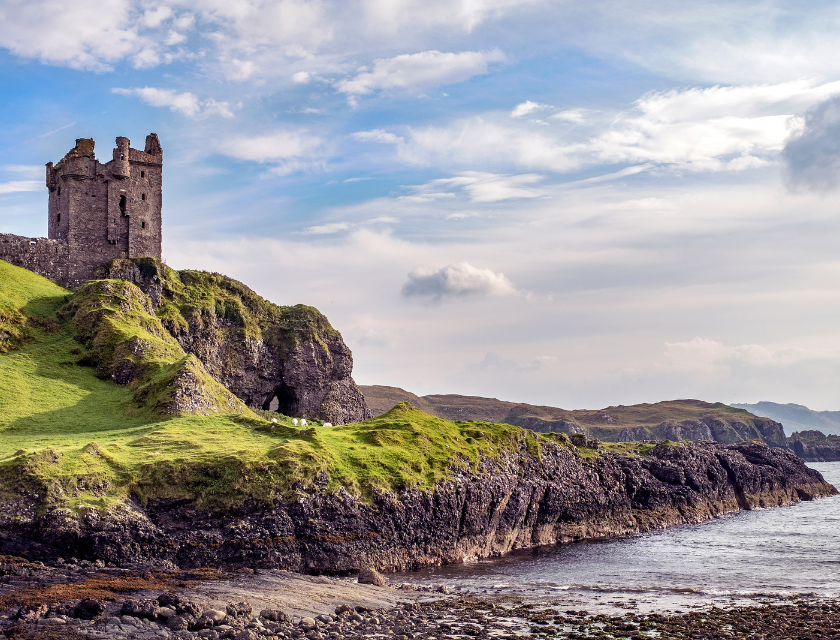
pixel 540 491
pixel 288 359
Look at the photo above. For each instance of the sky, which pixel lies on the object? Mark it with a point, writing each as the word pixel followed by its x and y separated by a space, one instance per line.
pixel 561 203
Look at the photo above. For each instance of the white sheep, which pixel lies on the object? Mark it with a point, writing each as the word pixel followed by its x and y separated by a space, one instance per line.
pixel 302 422
pixel 327 424
pixel 274 420
pixel 294 421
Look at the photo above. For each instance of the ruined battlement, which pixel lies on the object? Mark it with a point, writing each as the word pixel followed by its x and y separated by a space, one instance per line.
pixel 97 212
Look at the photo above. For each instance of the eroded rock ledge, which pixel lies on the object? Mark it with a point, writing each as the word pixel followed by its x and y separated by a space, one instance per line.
pixel 513 503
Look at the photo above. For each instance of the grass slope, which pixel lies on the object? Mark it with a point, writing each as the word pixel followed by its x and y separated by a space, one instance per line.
pixel 74 437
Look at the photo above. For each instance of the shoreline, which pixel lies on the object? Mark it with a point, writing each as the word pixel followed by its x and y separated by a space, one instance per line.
pixel 279 605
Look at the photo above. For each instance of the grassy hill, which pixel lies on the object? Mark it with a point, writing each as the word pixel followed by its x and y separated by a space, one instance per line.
pixel 674 419
pixel 87 416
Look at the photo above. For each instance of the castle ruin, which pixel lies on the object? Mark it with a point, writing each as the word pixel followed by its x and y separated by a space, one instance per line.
pixel 97 212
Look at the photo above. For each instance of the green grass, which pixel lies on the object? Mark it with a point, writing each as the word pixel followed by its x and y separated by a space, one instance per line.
pixel 72 436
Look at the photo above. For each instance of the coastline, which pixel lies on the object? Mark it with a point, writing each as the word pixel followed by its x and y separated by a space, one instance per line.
pixel 278 605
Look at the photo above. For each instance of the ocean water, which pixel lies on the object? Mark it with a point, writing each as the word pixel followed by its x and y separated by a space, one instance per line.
pixel 741 558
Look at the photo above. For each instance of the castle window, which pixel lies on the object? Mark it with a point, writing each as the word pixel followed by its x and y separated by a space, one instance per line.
pixel 122 156
pixel 58 218
pixel 143 196
pixel 122 205
pixel 143 224
pixel 59 191
pixel 142 174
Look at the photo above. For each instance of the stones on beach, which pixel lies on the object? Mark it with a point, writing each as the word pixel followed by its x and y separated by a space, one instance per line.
pixel 274 615
pixel 178 623
pixel 88 609
pixel 238 609
pixel 141 609
pixel 369 575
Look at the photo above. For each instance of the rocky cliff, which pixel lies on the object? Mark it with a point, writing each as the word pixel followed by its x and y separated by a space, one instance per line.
pixel 815 446
pixel 289 359
pixel 523 498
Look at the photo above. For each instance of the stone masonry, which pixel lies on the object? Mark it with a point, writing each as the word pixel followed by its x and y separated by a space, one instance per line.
pixel 97 212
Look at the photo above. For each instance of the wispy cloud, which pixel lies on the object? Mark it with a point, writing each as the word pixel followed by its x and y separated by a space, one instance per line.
pixel 419 71
pixel 279 145
pixel 185 103
pixel 480 187
pixel 21 185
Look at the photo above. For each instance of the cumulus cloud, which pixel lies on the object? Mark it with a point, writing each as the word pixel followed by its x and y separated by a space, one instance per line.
pixel 91 36
pixel 185 103
pixel 812 155
pixel 419 71
pixel 459 280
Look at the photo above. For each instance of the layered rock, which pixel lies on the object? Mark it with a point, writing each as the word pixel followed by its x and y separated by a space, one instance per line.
pixel 517 501
pixel 289 359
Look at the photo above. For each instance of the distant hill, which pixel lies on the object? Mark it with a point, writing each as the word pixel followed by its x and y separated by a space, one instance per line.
pixel 795 417
pixel 671 420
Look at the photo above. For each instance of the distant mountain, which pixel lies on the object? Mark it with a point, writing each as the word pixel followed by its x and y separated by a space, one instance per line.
pixel 795 417
pixel 671 420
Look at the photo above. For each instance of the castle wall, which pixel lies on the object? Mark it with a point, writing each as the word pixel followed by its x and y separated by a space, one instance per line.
pixel 106 211
pixel 49 258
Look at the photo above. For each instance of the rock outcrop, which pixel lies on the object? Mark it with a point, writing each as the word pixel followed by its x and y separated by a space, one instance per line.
pixel 815 446
pixel 288 359
pixel 519 500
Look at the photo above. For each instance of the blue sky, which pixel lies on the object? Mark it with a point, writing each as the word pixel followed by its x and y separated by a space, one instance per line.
pixel 576 204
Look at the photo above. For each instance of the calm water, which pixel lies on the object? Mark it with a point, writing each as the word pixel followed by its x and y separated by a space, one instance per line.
pixel 741 557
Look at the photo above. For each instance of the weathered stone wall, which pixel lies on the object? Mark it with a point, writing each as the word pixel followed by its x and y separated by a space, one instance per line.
pixel 49 258
pixel 101 211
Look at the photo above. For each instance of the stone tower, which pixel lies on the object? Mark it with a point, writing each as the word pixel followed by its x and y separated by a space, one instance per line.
pixel 97 212
pixel 106 211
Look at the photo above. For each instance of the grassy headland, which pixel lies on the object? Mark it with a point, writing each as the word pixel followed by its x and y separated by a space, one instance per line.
pixel 70 434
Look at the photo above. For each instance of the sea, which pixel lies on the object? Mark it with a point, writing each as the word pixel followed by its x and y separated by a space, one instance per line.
pixel 740 559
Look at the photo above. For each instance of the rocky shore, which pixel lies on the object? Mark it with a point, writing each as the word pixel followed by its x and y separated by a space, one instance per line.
pixel 188 607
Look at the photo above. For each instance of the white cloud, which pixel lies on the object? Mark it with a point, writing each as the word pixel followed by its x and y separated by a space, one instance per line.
pixel 337 227
pixel 21 185
pixel 377 135
pixel 457 280
pixel 703 355
pixel 185 103
pixel 480 187
pixel 90 36
pixel 698 129
pixel 576 116
pixel 331 227
pixel 527 107
pixel 392 15
pixel 418 71
pixel 301 77
pixel 280 145
pixel 155 17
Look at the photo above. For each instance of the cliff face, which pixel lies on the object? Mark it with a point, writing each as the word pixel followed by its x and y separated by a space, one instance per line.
pixel 514 502
pixel 815 446
pixel 284 358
